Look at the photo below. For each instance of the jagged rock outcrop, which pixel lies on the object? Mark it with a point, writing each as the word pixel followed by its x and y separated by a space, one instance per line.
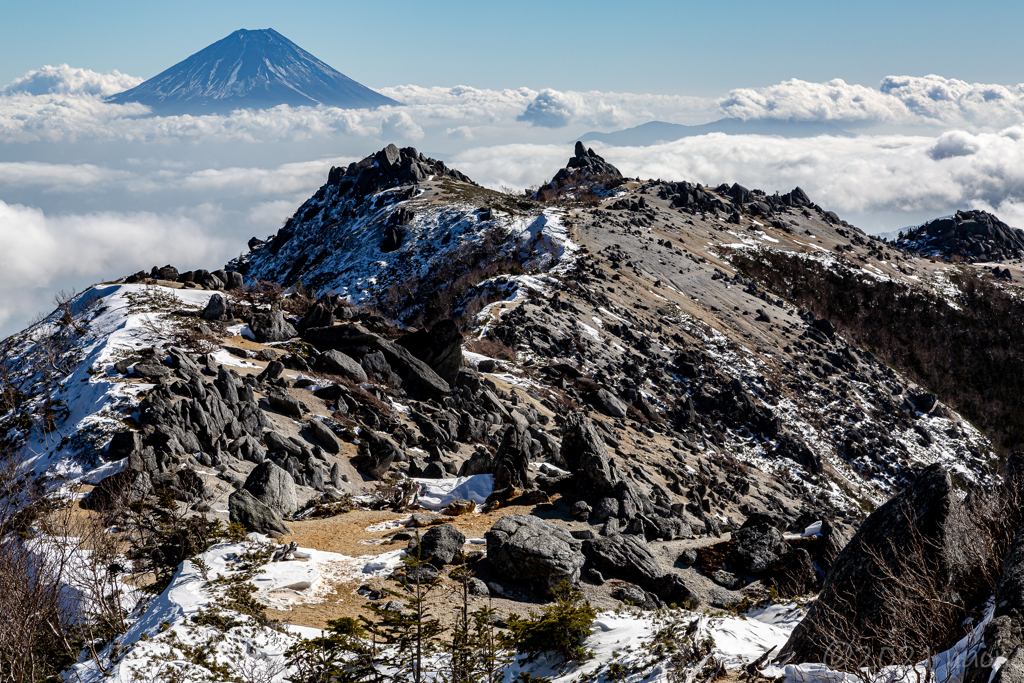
pixel 512 462
pixel 417 378
pixel 440 348
pixel 529 550
pixel 439 546
pixel 187 414
pixel 270 326
pixel 363 189
pixel 376 454
pixel 390 166
pixel 597 478
pixel 584 172
pixel 342 364
pixel 970 235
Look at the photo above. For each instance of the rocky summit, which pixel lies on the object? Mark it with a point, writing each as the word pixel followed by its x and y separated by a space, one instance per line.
pixel 421 393
pixel 969 235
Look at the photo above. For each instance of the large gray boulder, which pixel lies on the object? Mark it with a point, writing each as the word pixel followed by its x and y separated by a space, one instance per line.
pixel 285 403
pixel 118 491
pixel 270 326
pixel 439 545
pixel 273 487
pixel 756 549
pixel 216 308
pixel 253 515
pixel 124 445
pixel 278 444
pixel 324 436
pixel 608 403
pixel 344 365
pixel 529 550
pixel 625 556
pixel 928 515
pixel 481 462
pixel 151 369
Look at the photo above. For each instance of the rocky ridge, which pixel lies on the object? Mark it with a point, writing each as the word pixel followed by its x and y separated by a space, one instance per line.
pixel 644 420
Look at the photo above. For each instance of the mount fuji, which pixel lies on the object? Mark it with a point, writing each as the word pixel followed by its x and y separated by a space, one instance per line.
pixel 250 69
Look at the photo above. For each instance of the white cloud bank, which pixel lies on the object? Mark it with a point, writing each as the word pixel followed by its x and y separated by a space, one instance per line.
pixel 57 104
pixel 40 253
pixel 194 219
pixel 61 103
pixel 860 175
pixel 928 100
pixel 67 80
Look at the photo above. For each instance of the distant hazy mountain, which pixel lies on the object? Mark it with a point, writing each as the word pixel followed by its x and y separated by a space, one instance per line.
pixel 654 132
pixel 250 70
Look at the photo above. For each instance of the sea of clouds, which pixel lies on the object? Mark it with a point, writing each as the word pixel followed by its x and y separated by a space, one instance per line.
pixel 91 191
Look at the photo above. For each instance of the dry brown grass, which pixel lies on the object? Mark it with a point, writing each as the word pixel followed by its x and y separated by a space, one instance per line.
pixel 492 348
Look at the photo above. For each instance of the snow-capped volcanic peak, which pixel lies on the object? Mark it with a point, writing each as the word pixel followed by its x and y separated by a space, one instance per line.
pixel 250 69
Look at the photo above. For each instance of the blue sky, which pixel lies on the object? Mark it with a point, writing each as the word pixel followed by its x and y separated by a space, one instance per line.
pixel 699 48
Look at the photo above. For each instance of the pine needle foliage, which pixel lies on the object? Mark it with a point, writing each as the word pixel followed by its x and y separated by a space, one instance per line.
pixel 560 627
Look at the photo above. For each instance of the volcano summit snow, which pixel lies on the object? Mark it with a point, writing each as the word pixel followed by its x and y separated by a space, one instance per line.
pixel 250 70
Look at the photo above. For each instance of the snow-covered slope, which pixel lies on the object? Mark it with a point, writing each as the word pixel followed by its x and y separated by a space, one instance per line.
pixel 70 400
pixel 191 630
pixel 250 69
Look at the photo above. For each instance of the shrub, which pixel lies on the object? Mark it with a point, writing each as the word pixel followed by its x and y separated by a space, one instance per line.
pixel 560 627
pixel 160 536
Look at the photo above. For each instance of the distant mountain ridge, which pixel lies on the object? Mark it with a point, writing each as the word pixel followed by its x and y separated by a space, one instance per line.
pixel 653 132
pixel 250 69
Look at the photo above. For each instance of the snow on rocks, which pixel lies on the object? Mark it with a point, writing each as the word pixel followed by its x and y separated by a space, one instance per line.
pixel 438 494
pixel 189 617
